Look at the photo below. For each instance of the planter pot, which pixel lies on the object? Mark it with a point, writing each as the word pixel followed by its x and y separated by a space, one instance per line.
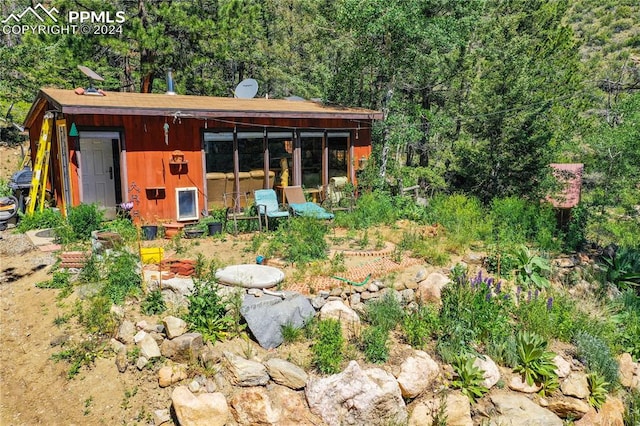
pixel 172 229
pixel 149 232
pixel 214 228
pixel 193 232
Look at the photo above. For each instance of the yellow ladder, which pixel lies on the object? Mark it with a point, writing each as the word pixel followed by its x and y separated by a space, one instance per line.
pixel 41 166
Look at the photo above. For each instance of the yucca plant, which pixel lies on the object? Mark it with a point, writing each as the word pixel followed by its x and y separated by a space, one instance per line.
pixel 469 378
pixel 534 361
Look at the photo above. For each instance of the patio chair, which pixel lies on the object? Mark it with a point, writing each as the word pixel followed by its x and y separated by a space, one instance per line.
pixel 236 209
pixel 267 206
pixel 301 207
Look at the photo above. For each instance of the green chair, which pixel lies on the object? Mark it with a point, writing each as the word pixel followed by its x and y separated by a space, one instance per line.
pixel 267 205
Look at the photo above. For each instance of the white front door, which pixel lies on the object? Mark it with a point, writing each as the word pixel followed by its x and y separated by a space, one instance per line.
pixel 97 172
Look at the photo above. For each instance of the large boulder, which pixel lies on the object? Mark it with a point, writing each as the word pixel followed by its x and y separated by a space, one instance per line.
pixel 489 369
pixel 286 374
pixel 576 384
pixel 356 396
pixel 610 414
pixel 206 409
pixel 266 315
pixel 514 409
pixel 273 405
pixel 417 372
pixel 349 319
pixel 568 407
pixel 184 348
pixel 430 290
pixel 174 326
pixel 244 372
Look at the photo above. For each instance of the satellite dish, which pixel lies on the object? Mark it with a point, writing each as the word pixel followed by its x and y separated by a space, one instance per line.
pixel 246 89
pixel 92 75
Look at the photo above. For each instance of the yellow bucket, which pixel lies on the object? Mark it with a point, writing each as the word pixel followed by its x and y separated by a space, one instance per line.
pixel 151 254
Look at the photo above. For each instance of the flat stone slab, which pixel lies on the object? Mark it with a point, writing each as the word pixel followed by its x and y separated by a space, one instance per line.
pixel 250 276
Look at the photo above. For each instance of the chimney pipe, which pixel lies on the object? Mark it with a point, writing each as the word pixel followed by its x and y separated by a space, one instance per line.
pixel 170 83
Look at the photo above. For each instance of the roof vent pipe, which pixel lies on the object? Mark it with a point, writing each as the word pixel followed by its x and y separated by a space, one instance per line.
pixel 170 83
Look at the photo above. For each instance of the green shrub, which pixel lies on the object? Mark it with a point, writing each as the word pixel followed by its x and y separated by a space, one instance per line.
pixel 385 312
pixel 463 217
pixel 153 303
pixel 419 325
pixel 371 209
pixel 627 324
pixel 632 409
pixel 503 350
pixel 123 277
pixel 328 348
pixel 207 314
pixel 469 378
pixel 90 272
pixel 97 318
pixel 530 269
pixel 594 353
pixel 83 219
pixel 290 333
pixel 45 219
pixel 473 311
pixel 622 268
pixel 299 240
pixel 576 232
pixel 124 228
pixel 534 361
pixel 375 346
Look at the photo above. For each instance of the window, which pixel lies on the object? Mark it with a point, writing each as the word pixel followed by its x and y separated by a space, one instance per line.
pixel 187 203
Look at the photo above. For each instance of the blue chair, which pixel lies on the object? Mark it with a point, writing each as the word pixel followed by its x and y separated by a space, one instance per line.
pixel 301 207
pixel 267 205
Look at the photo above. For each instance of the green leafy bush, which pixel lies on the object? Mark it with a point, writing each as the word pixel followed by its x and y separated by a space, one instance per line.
pixel 328 348
pixel 530 269
pixel 96 316
pixel 45 219
pixel 463 217
pixel 123 277
pixel 83 219
pixel 124 228
pixel 473 311
pixel 153 303
pixel 374 342
pixel 419 325
pixel 627 324
pixel 207 314
pixel 594 353
pixel 534 361
pixel 385 312
pixel 469 378
pixel 372 208
pixel 622 268
pixel 299 240
pixel 632 409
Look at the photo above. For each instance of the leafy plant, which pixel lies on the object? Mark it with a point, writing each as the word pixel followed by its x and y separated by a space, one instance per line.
pixel 598 390
pixel 530 268
pixel 79 355
pixel 299 240
pixel 632 408
pixel 385 312
pixel 291 333
pixel 96 317
pixel 374 344
pixel 123 277
pixel 469 378
pixel 123 227
pixel 90 272
pixel 82 220
pixel 419 325
pixel 207 314
pixel 327 350
pixel 627 323
pixel 622 268
pixel 534 361
pixel 153 303
pixel 594 353
pixel 44 219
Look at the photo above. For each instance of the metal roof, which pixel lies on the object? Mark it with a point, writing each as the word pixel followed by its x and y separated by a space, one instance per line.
pixel 128 103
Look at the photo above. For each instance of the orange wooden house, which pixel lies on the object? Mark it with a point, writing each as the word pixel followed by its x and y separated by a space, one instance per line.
pixel 174 156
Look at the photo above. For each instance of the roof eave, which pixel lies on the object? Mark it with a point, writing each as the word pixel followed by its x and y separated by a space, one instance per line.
pixel 185 113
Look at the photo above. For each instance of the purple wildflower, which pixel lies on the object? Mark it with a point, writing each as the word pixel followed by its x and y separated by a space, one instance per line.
pixel 536 294
pixel 498 287
pixel 488 297
pixel 489 282
pixel 549 304
pixel 529 296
